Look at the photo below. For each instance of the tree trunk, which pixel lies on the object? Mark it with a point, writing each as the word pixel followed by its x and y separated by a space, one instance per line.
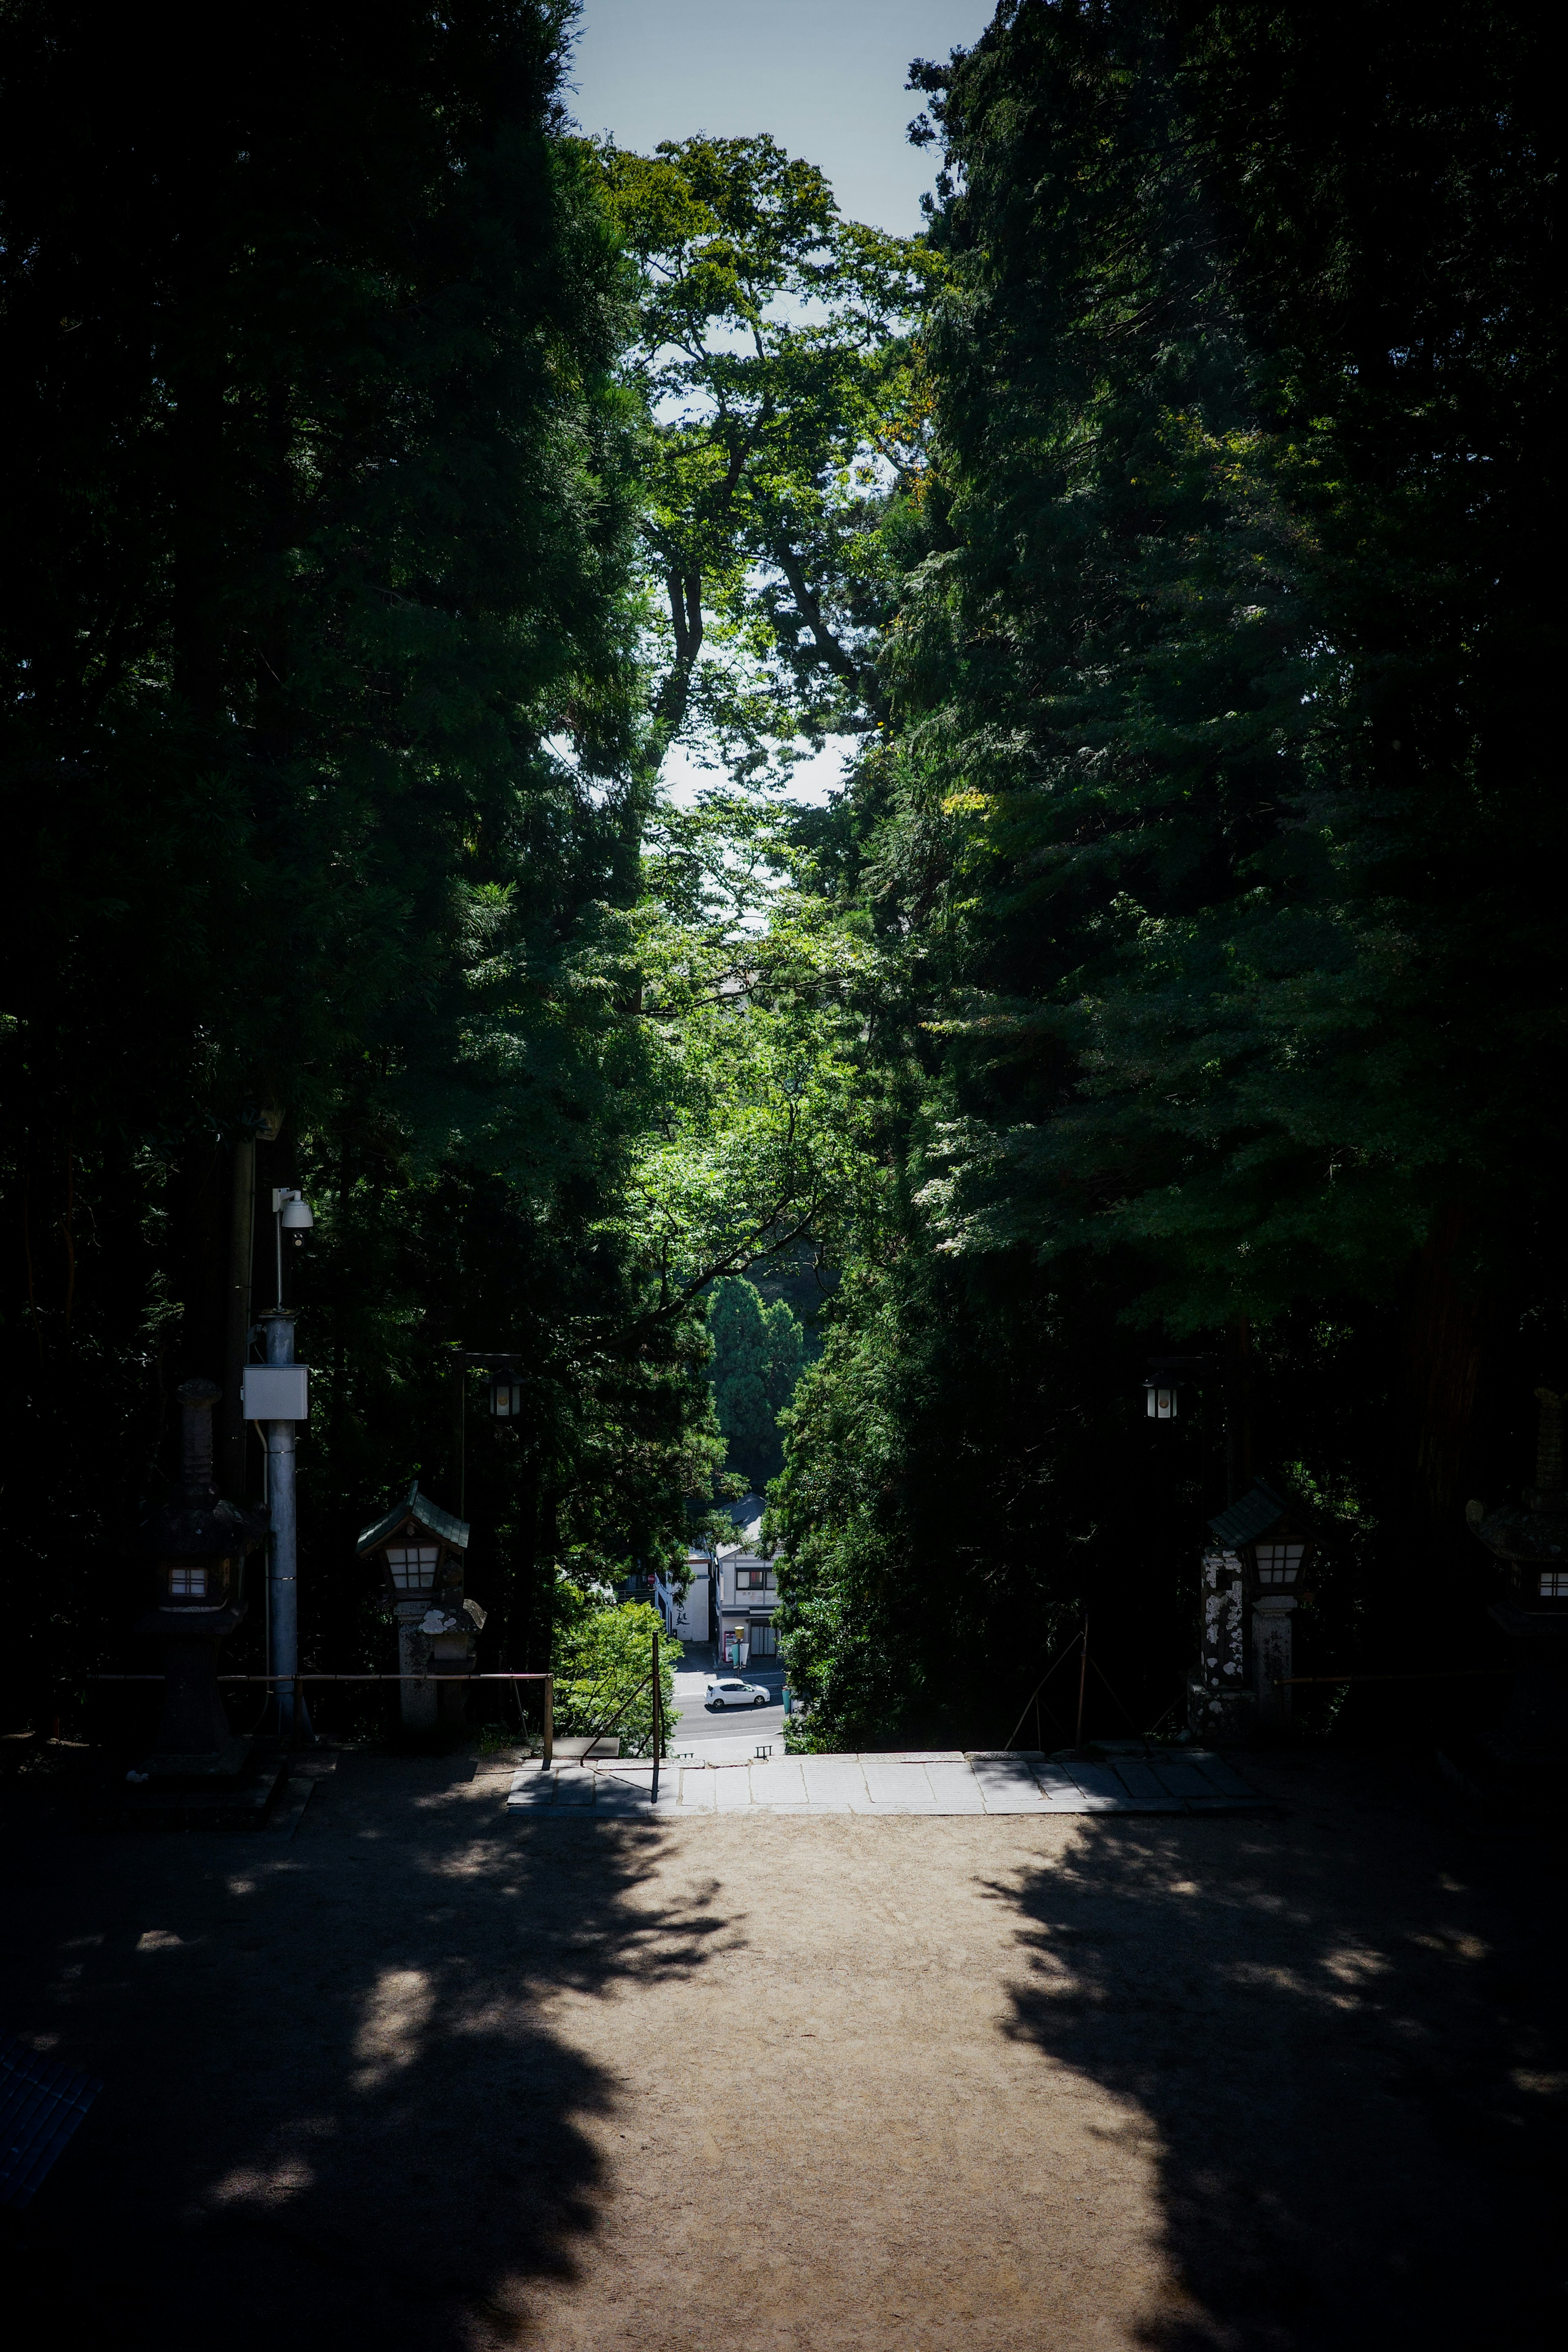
pixel 1445 1318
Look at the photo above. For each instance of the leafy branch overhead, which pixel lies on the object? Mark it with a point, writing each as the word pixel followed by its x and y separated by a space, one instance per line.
pixel 783 413
pixel 752 1011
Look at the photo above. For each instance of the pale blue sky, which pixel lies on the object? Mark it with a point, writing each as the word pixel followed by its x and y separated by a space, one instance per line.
pixel 825 78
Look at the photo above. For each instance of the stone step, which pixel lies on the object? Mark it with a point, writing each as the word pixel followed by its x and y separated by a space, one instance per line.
pixel 938 1783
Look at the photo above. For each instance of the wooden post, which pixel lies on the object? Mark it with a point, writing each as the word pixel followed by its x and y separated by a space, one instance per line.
pixel 1082 1679
pixel 658 1718
pixel 549 1720
pixel 459 1426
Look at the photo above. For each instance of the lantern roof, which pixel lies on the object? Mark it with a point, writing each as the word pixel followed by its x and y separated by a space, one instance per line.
pixel 426 1514
pixel 1251 1515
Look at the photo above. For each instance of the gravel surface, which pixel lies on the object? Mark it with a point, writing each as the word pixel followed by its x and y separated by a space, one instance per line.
pixel 426 2076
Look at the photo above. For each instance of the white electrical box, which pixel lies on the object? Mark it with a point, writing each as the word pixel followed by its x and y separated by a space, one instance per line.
pixel 277 1392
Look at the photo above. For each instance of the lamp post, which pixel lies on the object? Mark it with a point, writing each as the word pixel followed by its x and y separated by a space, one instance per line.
pixel 291 1215
pixel 276 1395
pixel 506 1403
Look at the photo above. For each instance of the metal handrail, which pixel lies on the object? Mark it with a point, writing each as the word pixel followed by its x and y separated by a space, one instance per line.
pixel 295 1680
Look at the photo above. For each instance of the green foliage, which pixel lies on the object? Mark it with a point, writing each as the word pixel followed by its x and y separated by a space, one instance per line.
pixel 782 411
pixel 758 1353
pixel 1215 722
pixel 1209 866
pixel 603 1663
pixel 752 1002
pixel 398 477
pixel 317 571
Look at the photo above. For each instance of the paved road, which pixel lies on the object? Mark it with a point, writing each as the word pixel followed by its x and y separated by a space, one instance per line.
pixel 697 1728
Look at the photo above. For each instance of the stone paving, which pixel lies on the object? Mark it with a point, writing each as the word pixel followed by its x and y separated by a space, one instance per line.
pixel 1132 1779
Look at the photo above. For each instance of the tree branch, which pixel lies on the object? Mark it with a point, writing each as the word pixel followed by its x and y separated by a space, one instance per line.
pixel 684 590
pixel 842 663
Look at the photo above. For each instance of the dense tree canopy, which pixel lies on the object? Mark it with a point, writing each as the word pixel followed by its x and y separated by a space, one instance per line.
pixel 398 477
pixel 1216 856
pixel 322 696
pixel 759 1349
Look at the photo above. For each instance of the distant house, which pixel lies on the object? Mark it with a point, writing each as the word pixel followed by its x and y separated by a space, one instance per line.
pixel 691 1617
pixel 746 1592
pixel 688 1615
pixel 730 1594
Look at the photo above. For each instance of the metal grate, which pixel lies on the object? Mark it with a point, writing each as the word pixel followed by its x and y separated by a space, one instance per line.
pixel 41 2103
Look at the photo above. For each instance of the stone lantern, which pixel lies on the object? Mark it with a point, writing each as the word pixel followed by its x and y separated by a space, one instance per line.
pixel 1531 1538
pixel 423 1549
pixel 199 1544
pixel 1264 1539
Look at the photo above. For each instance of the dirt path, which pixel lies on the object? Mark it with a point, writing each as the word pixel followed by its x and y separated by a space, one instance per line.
pixel 428 2077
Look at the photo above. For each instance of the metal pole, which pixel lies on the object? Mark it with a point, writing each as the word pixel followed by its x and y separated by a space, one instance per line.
pixel 549 1720
pixel 1082 1679
pixel 658 1717
pixel 267 1500
pixel 282 1584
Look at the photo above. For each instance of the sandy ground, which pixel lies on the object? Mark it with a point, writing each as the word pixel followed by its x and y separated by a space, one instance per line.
pixel 429 2077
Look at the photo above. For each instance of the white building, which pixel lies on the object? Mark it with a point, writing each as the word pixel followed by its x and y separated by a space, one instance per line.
pixel 690 1617
pixel 745 1591
pixel 730 1594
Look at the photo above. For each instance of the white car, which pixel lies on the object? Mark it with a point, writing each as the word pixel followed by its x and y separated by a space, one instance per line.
pixel 732 1693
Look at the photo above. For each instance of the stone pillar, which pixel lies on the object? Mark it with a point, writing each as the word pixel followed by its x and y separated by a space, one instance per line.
pixel 1271 1651
pixel 1536 1720
pixel 198 1543
pixel 433 1641
pixel 1219 1704
pixel 417 1700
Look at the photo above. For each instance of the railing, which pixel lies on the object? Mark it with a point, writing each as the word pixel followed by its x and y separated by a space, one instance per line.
pixel 598 1731
pixel 294 1682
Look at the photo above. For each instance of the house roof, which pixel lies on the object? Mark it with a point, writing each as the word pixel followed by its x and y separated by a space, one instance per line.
pixel 428 1516
pixel 1251 1515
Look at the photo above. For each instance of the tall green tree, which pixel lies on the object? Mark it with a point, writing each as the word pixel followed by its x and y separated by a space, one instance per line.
pixel 782 414
pixel 1236 757
pixel 759 1350
pixel 321 689
pixel 1213 862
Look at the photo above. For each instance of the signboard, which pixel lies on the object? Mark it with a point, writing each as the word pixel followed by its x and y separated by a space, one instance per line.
pixel 276 1393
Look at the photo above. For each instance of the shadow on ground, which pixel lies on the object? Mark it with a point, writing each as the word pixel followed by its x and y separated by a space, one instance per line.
pixel 1350 2055
pixel 336 2109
